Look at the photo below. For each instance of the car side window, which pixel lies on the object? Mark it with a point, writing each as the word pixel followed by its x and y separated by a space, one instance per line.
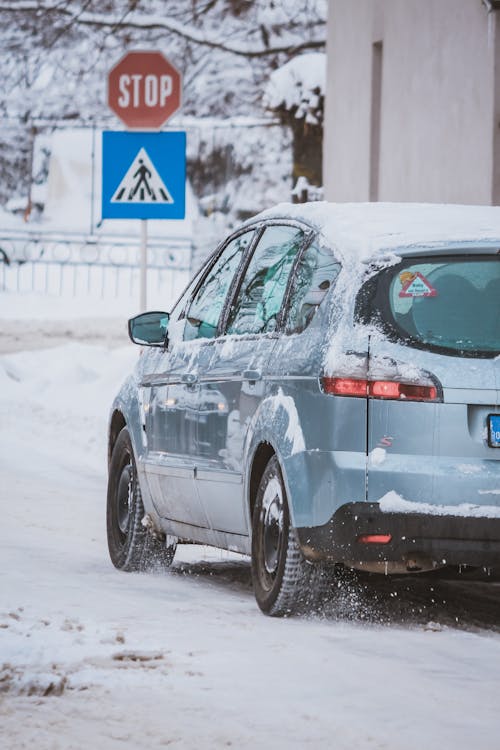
pixel 314 275
pixel 204 312
pixel 259 299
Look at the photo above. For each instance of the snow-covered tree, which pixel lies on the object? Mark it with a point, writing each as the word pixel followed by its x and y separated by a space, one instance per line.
pixel 296 92
pixel 55 55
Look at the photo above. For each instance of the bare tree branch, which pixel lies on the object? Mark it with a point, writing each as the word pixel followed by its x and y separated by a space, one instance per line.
pixel 137 21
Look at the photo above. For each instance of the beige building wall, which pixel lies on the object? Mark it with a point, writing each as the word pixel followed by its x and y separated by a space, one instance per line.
pixel 411 112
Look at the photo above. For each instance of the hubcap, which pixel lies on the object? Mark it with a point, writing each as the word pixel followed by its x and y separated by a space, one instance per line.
pixel 272 525
pixel 124 498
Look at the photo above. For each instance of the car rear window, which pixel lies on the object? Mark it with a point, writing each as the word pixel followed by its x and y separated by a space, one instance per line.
pixel 446 304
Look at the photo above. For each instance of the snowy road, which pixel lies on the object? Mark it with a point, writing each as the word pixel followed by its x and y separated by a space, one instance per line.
pixel 94 657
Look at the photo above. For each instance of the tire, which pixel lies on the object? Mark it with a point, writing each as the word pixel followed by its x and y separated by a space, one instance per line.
pixel 132 545
pixel 284 582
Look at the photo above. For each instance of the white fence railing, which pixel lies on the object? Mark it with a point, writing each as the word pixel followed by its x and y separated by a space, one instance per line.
pixel 76 266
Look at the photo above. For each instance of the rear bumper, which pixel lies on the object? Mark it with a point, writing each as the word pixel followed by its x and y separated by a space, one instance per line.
pixel 418 541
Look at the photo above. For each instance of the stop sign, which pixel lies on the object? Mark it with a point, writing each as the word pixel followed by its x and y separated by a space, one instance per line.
pixel 144 89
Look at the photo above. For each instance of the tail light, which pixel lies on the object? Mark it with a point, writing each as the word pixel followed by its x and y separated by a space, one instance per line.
pixel 384 389
pixel 374 538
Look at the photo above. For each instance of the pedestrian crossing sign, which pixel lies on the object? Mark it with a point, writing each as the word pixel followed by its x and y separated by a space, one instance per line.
pixel 142 184
pixel 143 175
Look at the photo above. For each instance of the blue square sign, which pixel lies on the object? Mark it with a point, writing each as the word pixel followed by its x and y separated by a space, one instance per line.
pixel 494 430
pixel 143 175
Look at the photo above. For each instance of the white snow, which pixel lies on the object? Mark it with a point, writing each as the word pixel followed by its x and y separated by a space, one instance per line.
pixel 377 456
pixel 298 85
pixel 92 657
pixel 469 469
pixel 293 435
pixel 360 230
pixel 392 502
pixel 28 306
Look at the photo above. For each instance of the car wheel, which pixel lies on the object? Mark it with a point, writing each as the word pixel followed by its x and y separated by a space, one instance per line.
pixel 132 545
pixel 284 582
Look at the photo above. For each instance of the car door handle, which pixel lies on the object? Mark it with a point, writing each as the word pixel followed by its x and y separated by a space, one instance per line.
pixel 252 375
pixel 189 378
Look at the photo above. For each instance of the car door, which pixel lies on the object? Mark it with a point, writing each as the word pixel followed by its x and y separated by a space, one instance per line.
pixel 167 464
pixel 176 391
pixel 309 421
pixel 236 381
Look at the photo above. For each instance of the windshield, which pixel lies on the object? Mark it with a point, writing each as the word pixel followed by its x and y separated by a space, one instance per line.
pixel 443 304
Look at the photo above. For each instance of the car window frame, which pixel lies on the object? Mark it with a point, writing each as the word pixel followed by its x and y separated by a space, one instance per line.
pixel 190 286
pixel 205 271
pixel 178 301
pixel 371 293
pixel 287 299
pixel 309 234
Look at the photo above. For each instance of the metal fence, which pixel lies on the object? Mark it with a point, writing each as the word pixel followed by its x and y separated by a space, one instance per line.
pixel 95 267
pixel 224 157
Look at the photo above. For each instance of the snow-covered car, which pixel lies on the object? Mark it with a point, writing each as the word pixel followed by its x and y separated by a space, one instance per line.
pixel 326 390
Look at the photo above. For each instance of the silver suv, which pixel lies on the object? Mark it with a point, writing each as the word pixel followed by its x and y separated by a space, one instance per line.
pixel 326 390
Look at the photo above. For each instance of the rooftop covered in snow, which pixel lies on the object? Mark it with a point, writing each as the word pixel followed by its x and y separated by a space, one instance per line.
pixel 361 230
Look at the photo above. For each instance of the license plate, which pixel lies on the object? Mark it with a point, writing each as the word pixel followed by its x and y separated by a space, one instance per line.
pixel 494 430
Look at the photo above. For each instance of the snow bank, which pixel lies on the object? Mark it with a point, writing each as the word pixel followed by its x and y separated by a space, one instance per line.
pixel 78 379
pixel 32 306
pixel 59 388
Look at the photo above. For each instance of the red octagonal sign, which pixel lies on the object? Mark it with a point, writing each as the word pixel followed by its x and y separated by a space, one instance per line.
pixel 144 89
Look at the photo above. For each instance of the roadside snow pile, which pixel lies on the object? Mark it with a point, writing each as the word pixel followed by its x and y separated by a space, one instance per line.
pixel 299 87
pixel 52 654
pixel 69 389
pixel 66 311
pixel 76 378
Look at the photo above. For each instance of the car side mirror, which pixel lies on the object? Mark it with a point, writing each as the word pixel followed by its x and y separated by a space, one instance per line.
pixel 149 329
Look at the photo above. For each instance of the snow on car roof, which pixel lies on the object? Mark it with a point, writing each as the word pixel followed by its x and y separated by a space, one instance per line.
pixel 360 231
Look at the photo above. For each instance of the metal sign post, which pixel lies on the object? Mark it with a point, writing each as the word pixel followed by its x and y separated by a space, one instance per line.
pixel 144 266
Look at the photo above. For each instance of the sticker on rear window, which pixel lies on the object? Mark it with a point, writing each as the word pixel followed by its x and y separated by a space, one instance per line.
pixel 415 285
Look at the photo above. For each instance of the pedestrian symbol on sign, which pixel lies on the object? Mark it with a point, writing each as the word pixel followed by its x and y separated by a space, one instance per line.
pixel 142 183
